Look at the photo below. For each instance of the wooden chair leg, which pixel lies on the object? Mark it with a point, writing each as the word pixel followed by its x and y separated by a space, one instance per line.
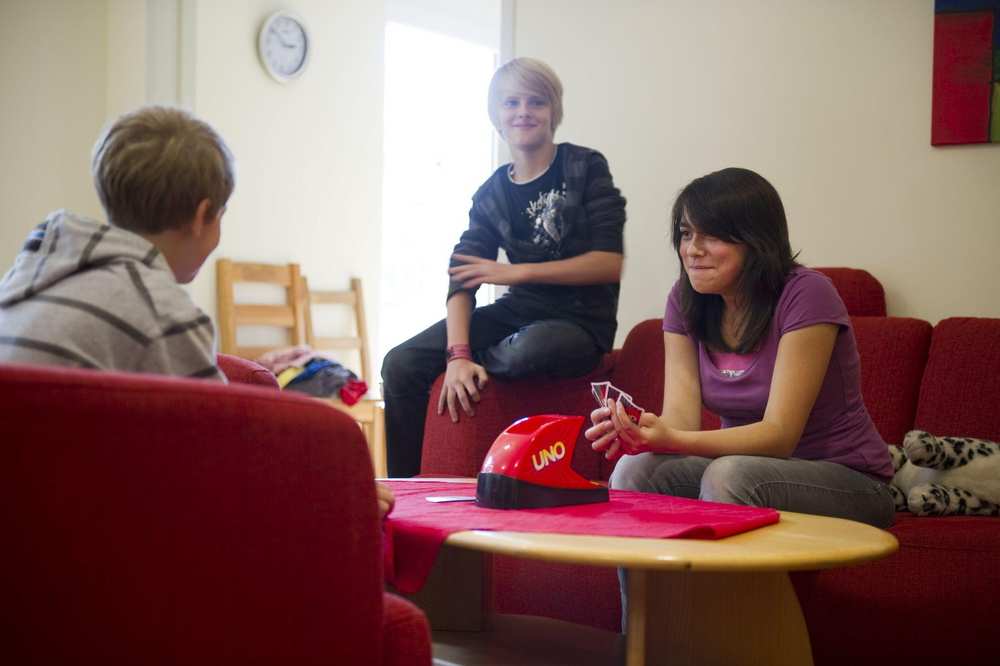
pixel 372 424
pixel 377 442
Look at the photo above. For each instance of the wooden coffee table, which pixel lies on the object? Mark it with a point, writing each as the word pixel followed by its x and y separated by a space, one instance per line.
pixel 691 601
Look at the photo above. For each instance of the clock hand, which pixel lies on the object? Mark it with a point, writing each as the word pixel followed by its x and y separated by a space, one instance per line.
pixel 277 34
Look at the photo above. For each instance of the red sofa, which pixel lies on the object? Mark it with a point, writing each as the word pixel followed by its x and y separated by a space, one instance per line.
pixel 159 520
pixel 939 596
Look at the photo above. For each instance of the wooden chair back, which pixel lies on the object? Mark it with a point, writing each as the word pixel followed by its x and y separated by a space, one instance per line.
pixel 352 298
pixel 290 315
pixel 369 412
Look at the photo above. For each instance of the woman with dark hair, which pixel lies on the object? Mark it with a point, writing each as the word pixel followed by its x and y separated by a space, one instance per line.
pixel 767 345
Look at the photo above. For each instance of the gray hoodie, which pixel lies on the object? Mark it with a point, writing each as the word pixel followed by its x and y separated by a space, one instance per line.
pixel 92 295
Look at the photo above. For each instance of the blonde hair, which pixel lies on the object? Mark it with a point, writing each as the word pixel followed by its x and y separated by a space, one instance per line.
pixel 153 166
pixel 530 74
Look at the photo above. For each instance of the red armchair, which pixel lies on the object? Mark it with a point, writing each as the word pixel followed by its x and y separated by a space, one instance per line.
pixel 163 520
pixel 241 371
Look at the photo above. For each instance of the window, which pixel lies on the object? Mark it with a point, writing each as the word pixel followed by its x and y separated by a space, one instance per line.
pixel 439 146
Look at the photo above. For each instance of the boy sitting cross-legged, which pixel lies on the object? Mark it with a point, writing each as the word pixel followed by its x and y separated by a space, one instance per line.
pixel 107 296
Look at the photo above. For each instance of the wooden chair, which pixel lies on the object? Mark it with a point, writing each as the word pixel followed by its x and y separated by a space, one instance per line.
pixel 369 412
pixel 295 317
pixel 290 315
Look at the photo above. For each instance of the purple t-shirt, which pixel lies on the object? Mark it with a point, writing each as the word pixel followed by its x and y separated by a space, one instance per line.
pixel 839 428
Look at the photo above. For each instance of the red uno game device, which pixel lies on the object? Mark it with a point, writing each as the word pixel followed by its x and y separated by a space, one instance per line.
pixel 528 466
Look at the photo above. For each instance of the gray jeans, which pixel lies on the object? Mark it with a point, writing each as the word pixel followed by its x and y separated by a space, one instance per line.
pixel 788 484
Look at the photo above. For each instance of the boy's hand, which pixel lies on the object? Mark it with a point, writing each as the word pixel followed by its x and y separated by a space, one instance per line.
pixel 463 380
pixel 386 500
pixel 475 271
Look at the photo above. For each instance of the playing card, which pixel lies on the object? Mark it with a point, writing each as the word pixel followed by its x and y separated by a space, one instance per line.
pixel 600 392
pixel 604 391
pixel 634 411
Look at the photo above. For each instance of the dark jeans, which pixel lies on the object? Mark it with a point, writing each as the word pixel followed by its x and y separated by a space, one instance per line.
pixel 508 344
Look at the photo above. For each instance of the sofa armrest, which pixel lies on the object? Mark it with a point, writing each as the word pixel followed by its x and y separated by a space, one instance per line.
pixel 183 521
pixel 241 371
pixel 407 633
pixel 459 448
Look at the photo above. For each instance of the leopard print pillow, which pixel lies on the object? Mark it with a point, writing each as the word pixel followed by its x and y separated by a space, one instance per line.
pixel 942 476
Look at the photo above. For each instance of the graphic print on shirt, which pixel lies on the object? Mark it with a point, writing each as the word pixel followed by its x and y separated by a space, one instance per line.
pixel 545 216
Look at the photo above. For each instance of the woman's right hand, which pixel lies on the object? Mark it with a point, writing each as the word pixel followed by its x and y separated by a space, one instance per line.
pixel 463 379
pixel 603 434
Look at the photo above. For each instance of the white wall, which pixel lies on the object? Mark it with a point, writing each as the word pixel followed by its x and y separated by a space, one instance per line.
pixel 126 51
pixel 828 99
pixel 308 153
pixel 52 105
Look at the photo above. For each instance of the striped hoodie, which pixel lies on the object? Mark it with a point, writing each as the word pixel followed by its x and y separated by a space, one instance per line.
pixel 92 295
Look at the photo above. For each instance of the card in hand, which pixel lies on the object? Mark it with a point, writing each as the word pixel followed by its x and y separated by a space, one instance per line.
pixel 600 392
pixel 633 410
pixel 604 391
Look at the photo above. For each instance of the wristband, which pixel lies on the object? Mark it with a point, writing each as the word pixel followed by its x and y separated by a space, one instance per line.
pixel 459 351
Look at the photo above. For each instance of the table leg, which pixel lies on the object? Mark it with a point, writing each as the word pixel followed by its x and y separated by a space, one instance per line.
pixel 458 593
pixel 683 617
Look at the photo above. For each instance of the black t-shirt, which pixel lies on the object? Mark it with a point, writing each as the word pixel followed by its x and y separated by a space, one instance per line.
pixel 585 213
pixel 536 208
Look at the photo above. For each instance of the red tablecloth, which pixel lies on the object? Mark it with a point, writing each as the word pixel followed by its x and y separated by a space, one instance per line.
pixel 416 528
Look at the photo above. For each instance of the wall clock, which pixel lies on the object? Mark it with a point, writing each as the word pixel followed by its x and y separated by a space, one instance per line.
pixel 283 45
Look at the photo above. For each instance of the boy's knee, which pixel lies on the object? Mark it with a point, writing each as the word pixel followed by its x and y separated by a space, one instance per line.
pixel 512 363
pixel 397 367
pixel 549 348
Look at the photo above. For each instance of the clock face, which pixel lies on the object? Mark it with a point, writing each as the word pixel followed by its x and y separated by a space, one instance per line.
pixel 284 46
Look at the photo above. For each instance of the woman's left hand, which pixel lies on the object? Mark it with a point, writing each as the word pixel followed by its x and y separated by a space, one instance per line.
pixel 630 434
pixel 649 434
pixel 614 433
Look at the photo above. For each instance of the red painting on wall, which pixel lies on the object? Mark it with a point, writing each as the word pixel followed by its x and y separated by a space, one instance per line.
pixel 966 96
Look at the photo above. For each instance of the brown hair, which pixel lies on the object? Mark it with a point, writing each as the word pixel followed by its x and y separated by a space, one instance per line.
pixel 533 75
pixel 153 166
pixel 737 206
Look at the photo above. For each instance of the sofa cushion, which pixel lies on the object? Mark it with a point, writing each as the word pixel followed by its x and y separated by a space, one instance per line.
pixel 937 594
pixel 960 391
pixel 893 353
pixel 639 364
pixel 861 292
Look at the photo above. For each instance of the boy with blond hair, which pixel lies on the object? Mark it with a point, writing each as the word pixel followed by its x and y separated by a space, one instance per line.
pixel 108 296
pixel 556 213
